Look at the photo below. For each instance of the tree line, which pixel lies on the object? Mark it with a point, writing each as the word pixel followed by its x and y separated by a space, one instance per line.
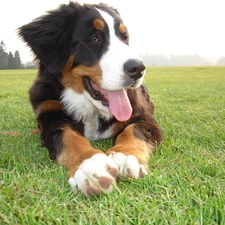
pixel 8 60
pixel 181 60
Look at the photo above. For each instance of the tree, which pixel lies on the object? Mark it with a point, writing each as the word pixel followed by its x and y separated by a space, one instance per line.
pixel 11 61
pixel 3 56
pixel 17 60
pixel 221 61
pixel 7 60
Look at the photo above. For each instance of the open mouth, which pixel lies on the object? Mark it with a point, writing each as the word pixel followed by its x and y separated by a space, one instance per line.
pixel 96 92
pixel 117 101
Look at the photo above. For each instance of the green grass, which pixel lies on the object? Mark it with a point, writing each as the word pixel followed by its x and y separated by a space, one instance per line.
pixel 186 181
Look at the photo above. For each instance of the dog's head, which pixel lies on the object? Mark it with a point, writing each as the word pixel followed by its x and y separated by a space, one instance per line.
pixel 89 46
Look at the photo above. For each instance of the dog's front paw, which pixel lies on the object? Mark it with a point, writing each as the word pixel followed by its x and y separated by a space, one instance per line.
pixel 128 165
pixel 94 175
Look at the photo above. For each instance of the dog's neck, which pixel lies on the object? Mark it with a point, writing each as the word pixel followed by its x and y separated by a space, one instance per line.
pixel 82 107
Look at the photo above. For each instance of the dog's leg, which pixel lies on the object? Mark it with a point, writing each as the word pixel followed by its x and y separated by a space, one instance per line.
pixel 91 171
pixel 133 148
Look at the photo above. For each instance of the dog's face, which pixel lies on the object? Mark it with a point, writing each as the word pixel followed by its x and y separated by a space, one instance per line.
pixel 89 46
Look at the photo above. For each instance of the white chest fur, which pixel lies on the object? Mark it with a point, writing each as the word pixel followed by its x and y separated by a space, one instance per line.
pixel 82 107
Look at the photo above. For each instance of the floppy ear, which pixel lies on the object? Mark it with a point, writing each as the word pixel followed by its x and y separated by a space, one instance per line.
pixel 50 36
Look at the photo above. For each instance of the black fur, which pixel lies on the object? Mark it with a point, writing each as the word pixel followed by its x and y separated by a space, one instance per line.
pixel 62 41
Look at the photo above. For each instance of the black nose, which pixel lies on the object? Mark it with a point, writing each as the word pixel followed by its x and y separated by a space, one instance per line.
pixel 134 68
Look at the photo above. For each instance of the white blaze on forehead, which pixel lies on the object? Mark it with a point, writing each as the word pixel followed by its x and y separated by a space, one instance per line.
pixel 112 62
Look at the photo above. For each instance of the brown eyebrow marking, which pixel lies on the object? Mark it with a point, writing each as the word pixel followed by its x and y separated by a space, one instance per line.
pixel 122 28
pixel 98 24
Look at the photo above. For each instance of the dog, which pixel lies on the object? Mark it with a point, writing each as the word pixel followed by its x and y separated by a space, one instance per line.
pixel 89 87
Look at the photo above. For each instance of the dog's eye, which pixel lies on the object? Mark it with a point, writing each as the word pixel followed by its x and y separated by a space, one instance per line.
pixel 125 38
pixel 95 39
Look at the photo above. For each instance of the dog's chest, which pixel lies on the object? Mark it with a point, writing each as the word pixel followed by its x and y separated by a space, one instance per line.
pixel 81 107
pixel 92 128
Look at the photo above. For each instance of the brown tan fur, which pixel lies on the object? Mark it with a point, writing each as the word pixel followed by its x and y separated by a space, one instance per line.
pixel 73 77
pixel 49 105
pixel 128 144
pixel 122 28
pixel 98 24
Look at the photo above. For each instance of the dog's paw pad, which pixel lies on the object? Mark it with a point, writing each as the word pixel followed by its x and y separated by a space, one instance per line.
pixel 105 182
pixel 113 171
pixel 94 175
pixel 92 191
pixel 128 165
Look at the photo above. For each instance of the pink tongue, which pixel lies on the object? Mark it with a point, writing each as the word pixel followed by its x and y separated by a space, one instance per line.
pixel 119 105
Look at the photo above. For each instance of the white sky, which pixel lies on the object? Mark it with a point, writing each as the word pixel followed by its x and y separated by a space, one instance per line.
pixel 155 26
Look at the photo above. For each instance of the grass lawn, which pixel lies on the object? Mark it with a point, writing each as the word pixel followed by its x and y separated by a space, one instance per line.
pixel 186 181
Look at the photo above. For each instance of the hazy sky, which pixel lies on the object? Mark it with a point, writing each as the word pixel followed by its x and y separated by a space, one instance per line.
pixel 155 26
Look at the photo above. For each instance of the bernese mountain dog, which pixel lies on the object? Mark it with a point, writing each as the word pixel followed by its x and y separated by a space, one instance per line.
pixel 89 87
